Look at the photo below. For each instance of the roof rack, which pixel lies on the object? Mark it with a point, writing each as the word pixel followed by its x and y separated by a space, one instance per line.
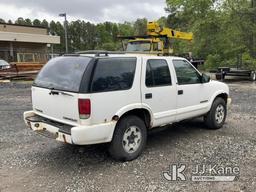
pixel 100 52
pixel 71 54
pixel 106 53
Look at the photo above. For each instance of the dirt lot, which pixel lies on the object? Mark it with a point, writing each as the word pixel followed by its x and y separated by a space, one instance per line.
pixel 30 162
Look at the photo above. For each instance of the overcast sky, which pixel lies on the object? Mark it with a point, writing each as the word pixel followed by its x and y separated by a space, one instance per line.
pixel 90 10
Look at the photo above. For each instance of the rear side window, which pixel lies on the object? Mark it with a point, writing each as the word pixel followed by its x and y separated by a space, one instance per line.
pixel 112 74
pixel 63 73
pixel 158 73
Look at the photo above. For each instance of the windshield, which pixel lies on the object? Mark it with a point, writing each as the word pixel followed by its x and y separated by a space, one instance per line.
pixel 138 46
pixel 63 73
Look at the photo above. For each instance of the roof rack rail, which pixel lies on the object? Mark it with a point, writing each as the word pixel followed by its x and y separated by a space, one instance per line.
pixel 71 54
pixel 100 52
pixel 96 52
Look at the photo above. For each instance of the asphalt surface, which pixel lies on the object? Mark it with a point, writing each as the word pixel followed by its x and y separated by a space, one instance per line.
pixel 30 162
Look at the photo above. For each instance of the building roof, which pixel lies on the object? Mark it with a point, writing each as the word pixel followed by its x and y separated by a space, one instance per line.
pixel 23 33
pixel 29 37
pixel 32 26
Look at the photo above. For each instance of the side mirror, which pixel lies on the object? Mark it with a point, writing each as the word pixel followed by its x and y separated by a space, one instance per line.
pixel 205 78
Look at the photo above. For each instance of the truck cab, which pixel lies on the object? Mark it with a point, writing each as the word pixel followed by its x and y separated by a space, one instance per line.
pixel 147 45
pixel 117 98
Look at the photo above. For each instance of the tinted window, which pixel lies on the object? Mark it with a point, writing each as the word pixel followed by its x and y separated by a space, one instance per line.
pixel 63 73
pixel 138 46
pixel 185 73
pixel 158 73
pixel 113 74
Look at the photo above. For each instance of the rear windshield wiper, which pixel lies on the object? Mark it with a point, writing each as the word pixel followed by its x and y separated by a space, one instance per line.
pixel 55 92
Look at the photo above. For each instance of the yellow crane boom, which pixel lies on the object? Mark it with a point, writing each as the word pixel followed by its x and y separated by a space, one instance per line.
pixel 157 40
pixel 154 29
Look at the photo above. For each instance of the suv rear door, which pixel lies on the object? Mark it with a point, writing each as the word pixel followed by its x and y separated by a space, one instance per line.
pixel 158 90
pixel 56 89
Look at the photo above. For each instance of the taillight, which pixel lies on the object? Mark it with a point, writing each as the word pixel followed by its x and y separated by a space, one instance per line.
pixel 84 106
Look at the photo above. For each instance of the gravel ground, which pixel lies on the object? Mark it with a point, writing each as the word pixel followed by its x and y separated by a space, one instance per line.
pixel 30 162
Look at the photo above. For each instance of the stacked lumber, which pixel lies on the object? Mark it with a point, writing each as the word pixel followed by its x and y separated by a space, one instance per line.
pixel 28 66
pixel 21 71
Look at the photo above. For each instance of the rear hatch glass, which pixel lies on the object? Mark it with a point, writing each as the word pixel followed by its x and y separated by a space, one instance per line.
pixel 63 73
pixel 55 91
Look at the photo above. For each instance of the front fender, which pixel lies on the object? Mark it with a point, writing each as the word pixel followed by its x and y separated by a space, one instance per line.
pixel 214 97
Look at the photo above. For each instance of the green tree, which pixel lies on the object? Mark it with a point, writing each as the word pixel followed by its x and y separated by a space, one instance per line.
pixel 162 21
pixel 45 23
pixel 125 29
pixel 89 36
pixel 111 46
pixel 242 18
pixel 56 28
pixel 2 21
pixel 223 29
pixel 140 26
pixel 37 23
pixel 20 21
pixel 28 22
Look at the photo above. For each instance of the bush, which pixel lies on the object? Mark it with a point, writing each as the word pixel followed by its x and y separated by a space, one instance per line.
pixel 212 62
pixel 248 61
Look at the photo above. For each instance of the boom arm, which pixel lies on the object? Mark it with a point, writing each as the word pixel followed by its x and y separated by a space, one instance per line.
pixel 153 29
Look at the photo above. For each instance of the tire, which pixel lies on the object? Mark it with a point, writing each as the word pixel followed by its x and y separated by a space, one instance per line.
pixel 253 76
pixel 129 139
pixel 216 117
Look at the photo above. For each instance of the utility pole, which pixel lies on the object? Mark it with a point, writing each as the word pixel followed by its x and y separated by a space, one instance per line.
pixel 65 30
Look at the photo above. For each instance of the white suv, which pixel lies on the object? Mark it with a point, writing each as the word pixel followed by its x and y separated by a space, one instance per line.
pixel 117 98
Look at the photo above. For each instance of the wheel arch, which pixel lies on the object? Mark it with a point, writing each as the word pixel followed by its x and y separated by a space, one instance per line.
pixel 142 112
pixel 221 94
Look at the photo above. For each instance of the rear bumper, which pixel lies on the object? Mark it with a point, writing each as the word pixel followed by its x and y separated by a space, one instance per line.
pixel 79 135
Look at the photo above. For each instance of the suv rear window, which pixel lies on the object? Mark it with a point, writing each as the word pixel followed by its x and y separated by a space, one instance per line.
pixel 112 74
pixel 63 73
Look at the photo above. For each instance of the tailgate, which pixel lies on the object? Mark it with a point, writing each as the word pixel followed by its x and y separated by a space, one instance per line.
pixel 61 106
